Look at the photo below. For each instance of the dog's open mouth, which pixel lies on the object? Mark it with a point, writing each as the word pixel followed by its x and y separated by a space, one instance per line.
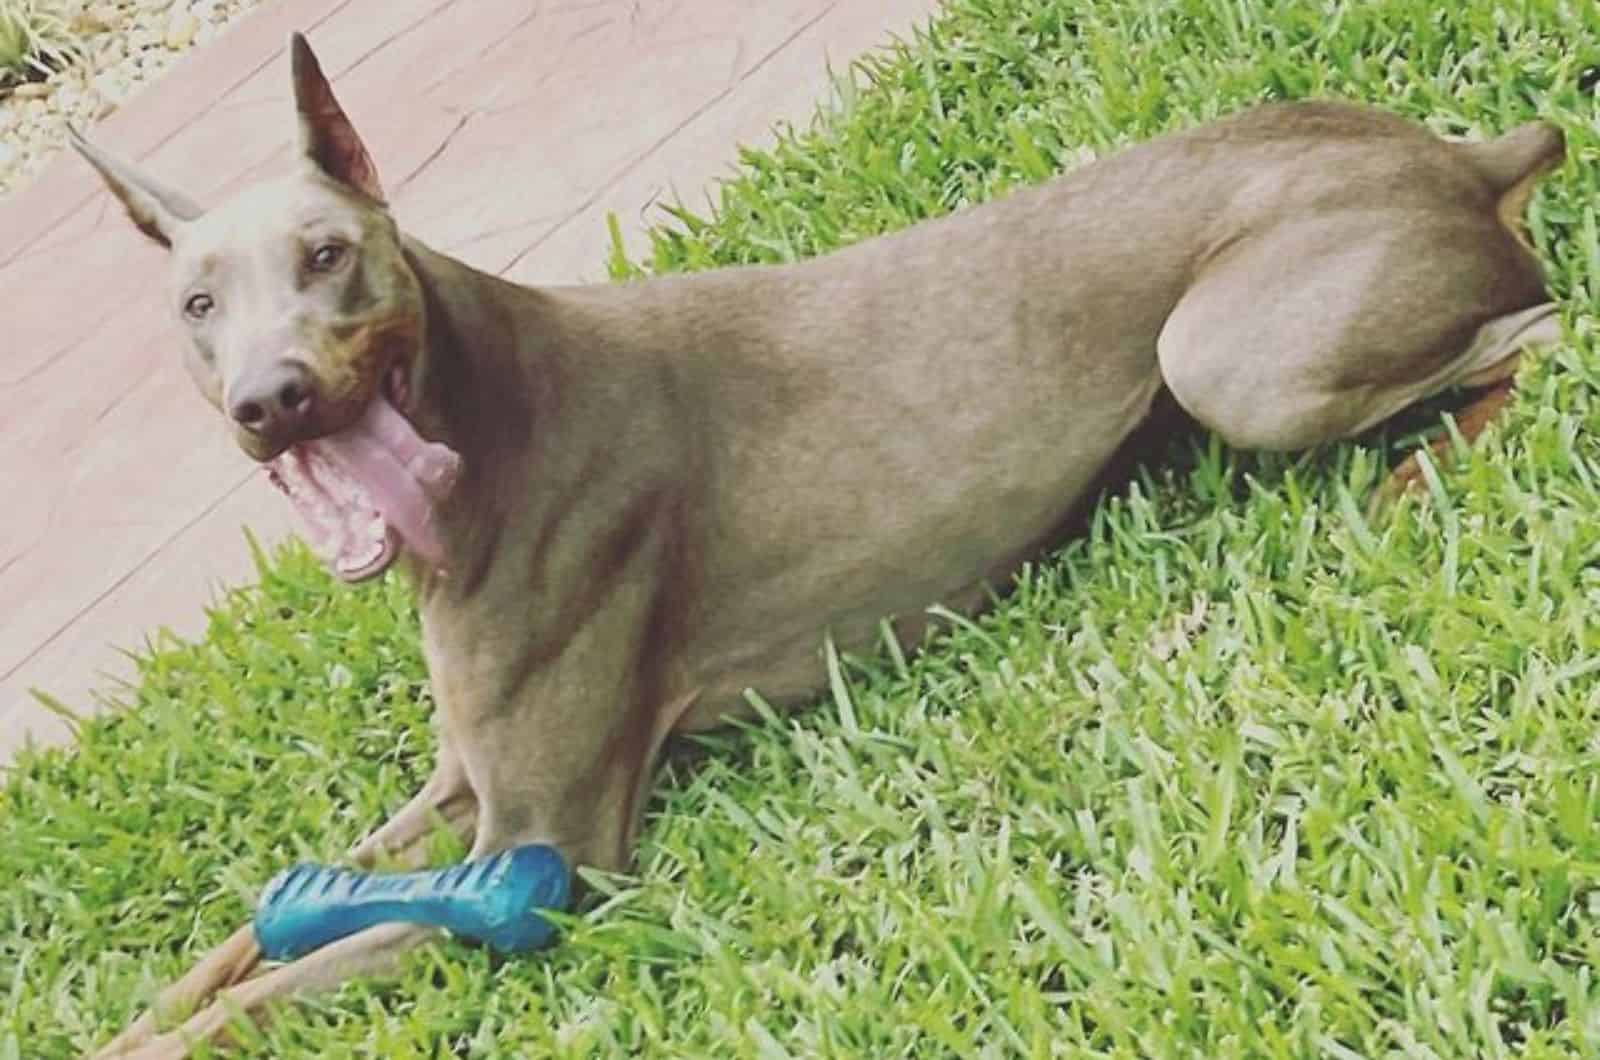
pixel 367 491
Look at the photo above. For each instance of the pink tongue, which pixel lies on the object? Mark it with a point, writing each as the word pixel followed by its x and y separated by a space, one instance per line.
pixel 404 475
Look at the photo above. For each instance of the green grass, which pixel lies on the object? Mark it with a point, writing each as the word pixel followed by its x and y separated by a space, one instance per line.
pixel 35 38
pixel 1239 773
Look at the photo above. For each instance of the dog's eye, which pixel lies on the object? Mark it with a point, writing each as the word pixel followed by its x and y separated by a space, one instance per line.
pixel 327 256
pixel 198 306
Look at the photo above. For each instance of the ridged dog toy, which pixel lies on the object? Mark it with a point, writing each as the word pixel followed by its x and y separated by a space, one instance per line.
pixel 495 900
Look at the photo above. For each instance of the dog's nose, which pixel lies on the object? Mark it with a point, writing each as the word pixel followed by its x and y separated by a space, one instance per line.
pixel 275 402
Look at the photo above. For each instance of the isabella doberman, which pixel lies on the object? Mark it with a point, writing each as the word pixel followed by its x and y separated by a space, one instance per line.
pixel 623 505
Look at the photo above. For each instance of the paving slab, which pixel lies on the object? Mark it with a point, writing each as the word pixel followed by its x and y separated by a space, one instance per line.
pixel 505 131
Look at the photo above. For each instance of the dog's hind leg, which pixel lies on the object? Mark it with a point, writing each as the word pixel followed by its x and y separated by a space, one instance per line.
pixel 1304 327
pixel 403 838
pixel 1322 327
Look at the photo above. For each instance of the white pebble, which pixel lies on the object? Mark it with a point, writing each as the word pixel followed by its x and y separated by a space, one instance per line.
pixel 140 41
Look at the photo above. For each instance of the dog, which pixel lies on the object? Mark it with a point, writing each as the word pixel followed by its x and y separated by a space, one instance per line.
pixel 624 505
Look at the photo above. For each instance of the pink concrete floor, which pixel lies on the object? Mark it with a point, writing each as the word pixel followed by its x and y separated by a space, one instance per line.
pixel 505 130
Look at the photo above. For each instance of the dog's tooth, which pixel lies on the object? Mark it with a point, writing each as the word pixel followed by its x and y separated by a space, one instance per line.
pixel 397 385
pixel 361 559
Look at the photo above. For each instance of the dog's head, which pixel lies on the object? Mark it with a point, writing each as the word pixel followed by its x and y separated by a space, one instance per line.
pixel 306 328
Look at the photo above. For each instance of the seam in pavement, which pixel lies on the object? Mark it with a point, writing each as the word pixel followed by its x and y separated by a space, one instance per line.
pixel 125 578
pixel 695 116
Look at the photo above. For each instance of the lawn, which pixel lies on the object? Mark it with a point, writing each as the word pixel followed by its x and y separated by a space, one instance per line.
pixel 1241 772
pixel 35 38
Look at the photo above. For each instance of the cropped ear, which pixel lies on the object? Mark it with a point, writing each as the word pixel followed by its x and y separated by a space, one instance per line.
pixel 327 139
pixel 156 209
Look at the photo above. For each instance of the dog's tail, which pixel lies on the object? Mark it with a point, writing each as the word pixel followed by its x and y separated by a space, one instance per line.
pixel 1511 164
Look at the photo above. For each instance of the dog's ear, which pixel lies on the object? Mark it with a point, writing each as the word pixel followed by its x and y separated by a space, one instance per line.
pixel 327 139
pixel 156 209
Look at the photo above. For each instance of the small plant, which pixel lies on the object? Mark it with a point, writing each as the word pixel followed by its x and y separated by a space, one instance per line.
pixel 34 40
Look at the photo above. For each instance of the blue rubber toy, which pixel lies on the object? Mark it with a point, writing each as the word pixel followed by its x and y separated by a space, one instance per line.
pixel 495 900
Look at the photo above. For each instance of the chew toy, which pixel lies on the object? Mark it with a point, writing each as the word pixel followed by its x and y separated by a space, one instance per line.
pixel 494 900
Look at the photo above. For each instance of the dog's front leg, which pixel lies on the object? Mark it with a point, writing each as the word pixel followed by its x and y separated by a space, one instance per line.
pixel 369 951
pixel 403 837
pixel 589 806
pixel 593 822
pixel 446 794
pixel 558 702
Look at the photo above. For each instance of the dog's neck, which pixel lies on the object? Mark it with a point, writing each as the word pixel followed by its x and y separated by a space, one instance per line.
pixel 489 387
pixel 477 390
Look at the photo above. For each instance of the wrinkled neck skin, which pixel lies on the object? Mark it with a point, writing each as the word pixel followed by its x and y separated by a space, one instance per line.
pixel 487 387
